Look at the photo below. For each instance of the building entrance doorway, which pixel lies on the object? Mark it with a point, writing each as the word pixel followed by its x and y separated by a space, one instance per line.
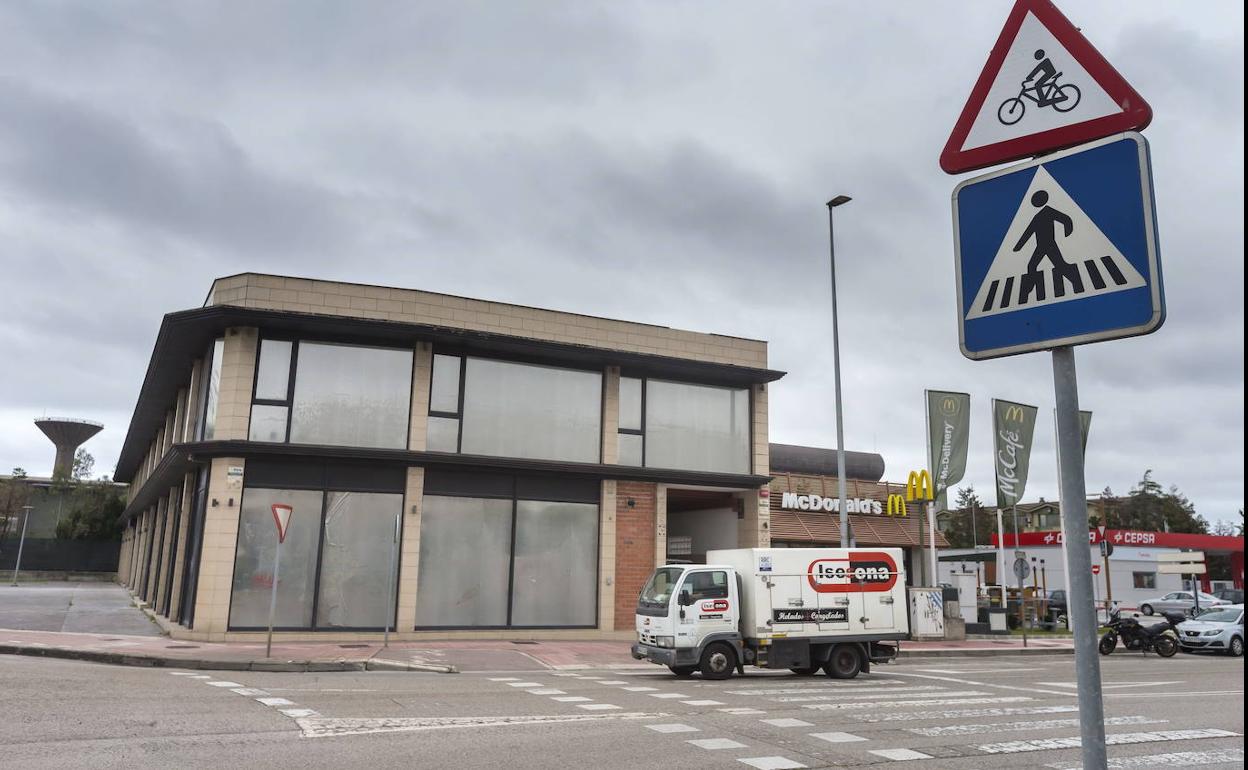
pixel 701 520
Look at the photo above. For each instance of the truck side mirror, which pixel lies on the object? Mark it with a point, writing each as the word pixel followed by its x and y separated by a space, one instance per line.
pixel 686 598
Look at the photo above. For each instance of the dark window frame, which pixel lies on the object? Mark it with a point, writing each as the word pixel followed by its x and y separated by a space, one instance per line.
pixel 645 380
pixel 633 431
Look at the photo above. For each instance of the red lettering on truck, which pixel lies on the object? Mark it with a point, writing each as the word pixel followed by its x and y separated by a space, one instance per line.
pixel 871 571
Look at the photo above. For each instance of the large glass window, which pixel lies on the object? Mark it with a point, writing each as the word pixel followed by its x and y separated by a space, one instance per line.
pixel 273 369
pixel 351 396
pixel 555 565
pixel 522 410
pixel 465 547
pixel 358 561
pixel 697 427
pixel 213 395
pixel 254 559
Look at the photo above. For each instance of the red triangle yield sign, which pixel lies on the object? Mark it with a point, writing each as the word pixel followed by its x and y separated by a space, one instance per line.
pixel 1044 88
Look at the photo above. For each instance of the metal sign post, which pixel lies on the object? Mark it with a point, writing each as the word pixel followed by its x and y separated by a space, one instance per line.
pixel 390 578
pixel 281 517
pixel 22 542
pixel 1081 612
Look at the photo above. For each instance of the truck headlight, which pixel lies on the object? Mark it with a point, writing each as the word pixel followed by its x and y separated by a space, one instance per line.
pixel 665 641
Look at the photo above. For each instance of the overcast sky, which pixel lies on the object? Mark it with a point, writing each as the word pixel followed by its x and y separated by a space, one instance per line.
pixel 665 162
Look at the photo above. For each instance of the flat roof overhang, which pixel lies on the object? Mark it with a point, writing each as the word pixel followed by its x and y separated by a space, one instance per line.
pixel 184 457
pixel 184 336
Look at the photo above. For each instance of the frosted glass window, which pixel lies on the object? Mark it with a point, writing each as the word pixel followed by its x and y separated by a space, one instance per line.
pixel 444 387
pixel 214 390
pixel 254 557
pixel 630 449
pixel 630 403
pixel 442 434
pixel 540 412
pixel 356 551
pixel 351 396
pixel 697 427
pixel 465 546
pixel 556 565
pixel 273 371
pixel 268 423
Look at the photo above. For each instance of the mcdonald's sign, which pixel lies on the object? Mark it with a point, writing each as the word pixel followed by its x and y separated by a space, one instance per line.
pixel 1014 413
pixel 919 486
pixel 897 506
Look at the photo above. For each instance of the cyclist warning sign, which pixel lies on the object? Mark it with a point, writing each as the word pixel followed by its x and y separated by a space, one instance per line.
pixel 1044 88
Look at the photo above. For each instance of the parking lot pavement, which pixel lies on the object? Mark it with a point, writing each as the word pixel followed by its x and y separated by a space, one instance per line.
pixel 87 607
pixel 945 713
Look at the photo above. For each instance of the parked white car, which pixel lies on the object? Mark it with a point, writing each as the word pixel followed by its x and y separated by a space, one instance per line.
pixel 1179 601
pixel 1220 629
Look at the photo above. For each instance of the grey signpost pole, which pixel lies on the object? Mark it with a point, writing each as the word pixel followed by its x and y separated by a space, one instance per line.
pixel 1075 524
pixel 836 378
pixel 22 542
pixel 277 562
pixel 1018 576
pixel 390 582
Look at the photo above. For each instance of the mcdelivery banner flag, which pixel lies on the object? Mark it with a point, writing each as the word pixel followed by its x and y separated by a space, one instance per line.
pixel 948 437
pixel 1085 425
pixel 1013 426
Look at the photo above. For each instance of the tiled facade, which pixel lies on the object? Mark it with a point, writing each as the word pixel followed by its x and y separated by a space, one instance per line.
pixel 184 571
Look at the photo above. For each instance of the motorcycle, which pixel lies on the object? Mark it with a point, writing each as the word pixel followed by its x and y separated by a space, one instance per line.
pixel 1161 638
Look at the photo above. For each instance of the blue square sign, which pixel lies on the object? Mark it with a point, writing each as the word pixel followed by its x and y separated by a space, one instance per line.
pixel 1058 251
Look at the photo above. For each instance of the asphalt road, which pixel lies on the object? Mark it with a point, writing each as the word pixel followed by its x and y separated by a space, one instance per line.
pixel 939 712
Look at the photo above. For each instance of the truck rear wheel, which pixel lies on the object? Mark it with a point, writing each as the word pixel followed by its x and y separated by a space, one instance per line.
pixel 683 671
pixel 718 661
pixel 844 663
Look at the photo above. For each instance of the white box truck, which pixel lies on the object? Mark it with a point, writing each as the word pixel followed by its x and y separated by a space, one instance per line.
pixel 804 609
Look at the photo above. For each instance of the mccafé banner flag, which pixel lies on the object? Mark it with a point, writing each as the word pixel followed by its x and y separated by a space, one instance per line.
pixel 1013 426
pixel 1085 425
pixel 948 437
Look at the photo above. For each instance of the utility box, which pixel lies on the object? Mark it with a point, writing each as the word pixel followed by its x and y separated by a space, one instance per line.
pixel 927 613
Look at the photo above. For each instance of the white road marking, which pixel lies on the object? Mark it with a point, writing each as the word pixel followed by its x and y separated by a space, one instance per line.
pixel 250 692
pixel 572 699
pixel 912 716
pixel 838 737
pixel 640 689
pixel 275 701
pixel 771 763
pixel 955 680
pixel 610 681
pixel 546 691
pixel 323 727
pixel 598 707
pixel 923 702
pixel 835 690
pixel 672 727
pixel 1197 694
pixel 514 679
pixel 179 673
pixel 939 692
pixel 900 755
pixel 668 695
pixel 524 684
pixel 560 673
pixel 1119 686
pixel 1116 739
pixel 741 711
pixel 223 684
pixel 1006 727
pixel 702 702
pixel 1005 670
pixel 200 676
pixel 817 683
pixel 1176 759
pixel 716 744
pixel 786 722
pixel 297 713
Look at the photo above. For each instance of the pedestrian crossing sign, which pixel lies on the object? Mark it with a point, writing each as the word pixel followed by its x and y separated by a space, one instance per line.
pixel 1058 251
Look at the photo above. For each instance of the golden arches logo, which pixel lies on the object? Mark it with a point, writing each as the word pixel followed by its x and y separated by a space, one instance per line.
pixel 897 506
pixel 1014 414
pixel 919 486
pixel 949 406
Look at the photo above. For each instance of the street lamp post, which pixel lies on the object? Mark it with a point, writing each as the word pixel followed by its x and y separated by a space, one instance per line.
pixel 22 542
pixel 839 200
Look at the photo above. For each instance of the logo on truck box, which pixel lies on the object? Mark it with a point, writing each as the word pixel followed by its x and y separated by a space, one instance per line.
pixel 871 571
pixel 811 615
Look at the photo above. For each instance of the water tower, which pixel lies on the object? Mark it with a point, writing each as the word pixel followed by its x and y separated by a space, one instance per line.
pixel 67 434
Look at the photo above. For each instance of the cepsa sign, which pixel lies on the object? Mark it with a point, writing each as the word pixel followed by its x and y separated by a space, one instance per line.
pixel 872 571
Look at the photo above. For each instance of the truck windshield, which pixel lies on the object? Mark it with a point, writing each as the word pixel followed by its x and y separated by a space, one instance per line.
pixel 658 590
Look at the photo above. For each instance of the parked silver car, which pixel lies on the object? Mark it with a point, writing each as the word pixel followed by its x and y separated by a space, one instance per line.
pixel 1220 629
pixel 1179 601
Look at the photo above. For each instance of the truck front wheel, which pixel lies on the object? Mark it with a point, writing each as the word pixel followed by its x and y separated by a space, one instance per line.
pixel 844 663
pixel 683 671
pixel 718 661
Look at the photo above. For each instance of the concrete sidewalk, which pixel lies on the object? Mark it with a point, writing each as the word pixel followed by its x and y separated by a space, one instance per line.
pixel 443 657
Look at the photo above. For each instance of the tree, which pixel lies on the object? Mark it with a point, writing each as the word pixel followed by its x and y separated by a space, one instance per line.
pixel 92 512
pixel 14 493
pixel 1152 508
pixel 84 463
pixel 968 524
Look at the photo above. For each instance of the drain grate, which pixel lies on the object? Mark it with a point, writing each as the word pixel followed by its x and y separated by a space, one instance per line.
pixel 352 646
pixel 523 641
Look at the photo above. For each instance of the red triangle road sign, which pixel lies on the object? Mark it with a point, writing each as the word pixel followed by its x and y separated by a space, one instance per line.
pixel 1044 88
pixel 281 517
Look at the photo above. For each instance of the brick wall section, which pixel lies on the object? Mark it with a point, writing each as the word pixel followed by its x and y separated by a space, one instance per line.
pixel 634 546
pixel 303 295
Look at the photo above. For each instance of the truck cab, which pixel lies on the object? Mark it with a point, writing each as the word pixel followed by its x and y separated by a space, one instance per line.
pixel 805 609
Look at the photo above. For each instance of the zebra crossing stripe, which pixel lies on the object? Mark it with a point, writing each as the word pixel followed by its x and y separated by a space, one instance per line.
pixel 922 702
pixel 900 755
pixel 1009 727
pixel 833 690
pixel 910 693
pixel 1175 759
pixel 911 716
pixel 1116 739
